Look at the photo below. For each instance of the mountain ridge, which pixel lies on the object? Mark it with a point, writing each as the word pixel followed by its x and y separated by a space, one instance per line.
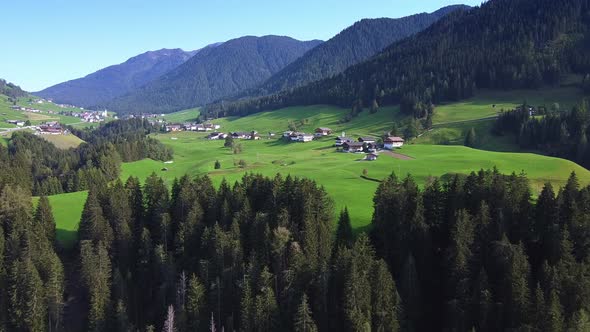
pixel 116 80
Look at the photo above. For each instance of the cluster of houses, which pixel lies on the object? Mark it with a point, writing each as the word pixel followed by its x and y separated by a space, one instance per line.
pixel 252 135
pixel 295 136
pixel 367 145
pixel 50 128
pixel 89 116
pixel 203 127
pixel 29 109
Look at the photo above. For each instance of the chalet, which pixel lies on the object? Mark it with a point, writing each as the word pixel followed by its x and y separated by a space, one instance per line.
pixel 174 127
pixel 371 157
pixel 305 138
pixel 353 147
pixel 322 131
pixel 241 135
pixel 389 143
pixel 216 135
pixel 51 128
pixel 19 123
pixel 368 140
pixel 287 134
pixel 294 137
pixel 340 140
pixel 245 135
pixel 210 126
pixel 190 126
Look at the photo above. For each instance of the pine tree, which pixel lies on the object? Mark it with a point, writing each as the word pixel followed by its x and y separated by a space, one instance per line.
pixel 93 226
pixel 121 318
pixel 554 313
pixel 169 322
pixel 26 309
pixel 96 274
pixel 266 309
pixel 385 300
pixel 247 308
pixel 580 321
pixel 538 309
pixel 344 235
pixel 303 321
pixel 217 164
pixel 44 218
pixel 195 302
pixel 471 138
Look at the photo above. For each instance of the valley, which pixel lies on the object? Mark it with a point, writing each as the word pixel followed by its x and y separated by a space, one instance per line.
pixel 436 153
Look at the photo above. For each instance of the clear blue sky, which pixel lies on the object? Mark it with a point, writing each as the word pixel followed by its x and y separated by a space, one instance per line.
pixel 50 41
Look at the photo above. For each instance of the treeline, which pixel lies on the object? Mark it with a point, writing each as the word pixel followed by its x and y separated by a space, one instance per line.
pixel 11 90
pixel 504 44
pixel 476 253
pixel 255 256
pixel 562 134
pixel 31 273
pixel 38 166
pixel 469 253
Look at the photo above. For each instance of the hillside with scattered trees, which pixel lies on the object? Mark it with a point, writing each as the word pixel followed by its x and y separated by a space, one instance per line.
pixel 37 166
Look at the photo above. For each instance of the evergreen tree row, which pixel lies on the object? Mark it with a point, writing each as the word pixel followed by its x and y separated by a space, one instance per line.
pixel 40 167
pixel 561 134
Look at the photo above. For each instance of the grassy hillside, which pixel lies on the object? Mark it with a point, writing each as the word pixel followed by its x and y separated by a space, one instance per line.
pixel 307 118
pixel 63 141
pixel 482 105
pixel 183 116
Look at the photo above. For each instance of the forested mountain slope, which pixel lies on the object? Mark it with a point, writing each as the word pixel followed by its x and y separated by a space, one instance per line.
pixel 213 73
pixel 504 44
pixel 351 46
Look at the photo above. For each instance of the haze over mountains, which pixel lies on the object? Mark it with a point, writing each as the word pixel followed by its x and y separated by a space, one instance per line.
pixel 116 80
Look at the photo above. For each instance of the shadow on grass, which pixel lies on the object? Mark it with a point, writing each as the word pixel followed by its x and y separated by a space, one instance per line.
pixel 66 239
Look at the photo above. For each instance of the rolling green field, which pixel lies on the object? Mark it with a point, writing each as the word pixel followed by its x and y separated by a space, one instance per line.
pixel 481 106
pixel 307 118
pixel 183 116
pixel 63 141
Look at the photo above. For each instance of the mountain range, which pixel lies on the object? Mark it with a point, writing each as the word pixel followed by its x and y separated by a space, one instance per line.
pixel 117 80
pixel 169 80
pixel 504 44
pixel 213 73
pixel 355 44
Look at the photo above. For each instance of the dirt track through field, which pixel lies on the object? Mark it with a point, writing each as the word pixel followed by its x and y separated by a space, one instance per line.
pixel 397 155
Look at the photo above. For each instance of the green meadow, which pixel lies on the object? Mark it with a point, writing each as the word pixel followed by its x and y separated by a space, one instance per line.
pixel 183 116
pixel 339 172
pixel 482 105
pixel 435 153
